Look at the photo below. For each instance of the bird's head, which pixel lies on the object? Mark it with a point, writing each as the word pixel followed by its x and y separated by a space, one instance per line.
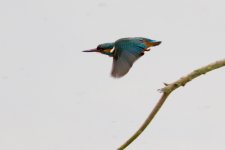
pixel 106 48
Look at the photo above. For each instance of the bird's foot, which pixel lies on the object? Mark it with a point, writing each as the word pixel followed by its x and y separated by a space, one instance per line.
pixel 142 53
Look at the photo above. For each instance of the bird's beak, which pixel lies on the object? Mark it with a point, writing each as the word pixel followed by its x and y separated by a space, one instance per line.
pixel 91 50
pixel 155 43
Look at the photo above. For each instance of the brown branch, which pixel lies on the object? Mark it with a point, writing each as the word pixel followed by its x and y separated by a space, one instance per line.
pixel 169 88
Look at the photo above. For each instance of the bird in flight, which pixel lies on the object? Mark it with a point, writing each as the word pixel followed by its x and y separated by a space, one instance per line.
pixel 125 52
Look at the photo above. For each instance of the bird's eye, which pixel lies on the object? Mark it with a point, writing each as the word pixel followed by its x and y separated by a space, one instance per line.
pixel 99 48
pixel 141 40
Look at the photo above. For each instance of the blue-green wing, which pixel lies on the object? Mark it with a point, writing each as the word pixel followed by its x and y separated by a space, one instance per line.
pixel 126 53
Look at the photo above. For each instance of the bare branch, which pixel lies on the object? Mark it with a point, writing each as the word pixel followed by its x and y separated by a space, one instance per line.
pixel 169 88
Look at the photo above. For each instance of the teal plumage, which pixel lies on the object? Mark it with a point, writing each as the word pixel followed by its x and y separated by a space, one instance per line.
pixel 125 52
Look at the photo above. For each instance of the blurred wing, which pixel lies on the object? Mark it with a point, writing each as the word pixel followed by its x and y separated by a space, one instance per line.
pixel 123 63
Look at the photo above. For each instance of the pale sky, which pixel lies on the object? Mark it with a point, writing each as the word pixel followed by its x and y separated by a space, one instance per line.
pixel 54 97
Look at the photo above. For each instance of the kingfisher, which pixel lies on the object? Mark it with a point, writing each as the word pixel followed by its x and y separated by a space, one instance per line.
pixel 125 52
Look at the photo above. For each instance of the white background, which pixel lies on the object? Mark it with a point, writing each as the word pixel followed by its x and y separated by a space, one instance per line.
pixel 54 97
